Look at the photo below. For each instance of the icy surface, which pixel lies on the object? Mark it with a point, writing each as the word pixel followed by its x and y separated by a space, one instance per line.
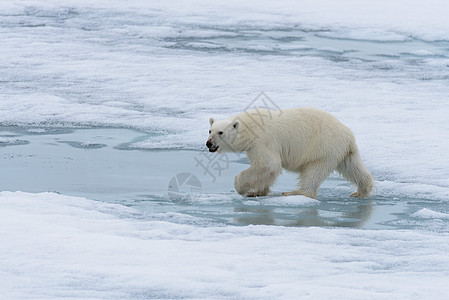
pixel 426 213
pixel 55 246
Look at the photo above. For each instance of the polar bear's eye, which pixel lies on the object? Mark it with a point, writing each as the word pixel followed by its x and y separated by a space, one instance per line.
pixel 220 132
pixel 209 131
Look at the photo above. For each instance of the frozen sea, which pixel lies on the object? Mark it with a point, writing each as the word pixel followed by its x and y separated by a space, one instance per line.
pixel 106 191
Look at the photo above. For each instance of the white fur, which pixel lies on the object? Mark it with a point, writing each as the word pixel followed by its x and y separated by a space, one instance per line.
pixel 307 141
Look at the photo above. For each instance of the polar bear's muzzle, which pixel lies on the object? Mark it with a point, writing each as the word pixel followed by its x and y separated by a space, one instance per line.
pixel 212 147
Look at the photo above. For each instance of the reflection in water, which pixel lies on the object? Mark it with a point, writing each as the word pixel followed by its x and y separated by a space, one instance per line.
pixel 354 216
pixel 260 216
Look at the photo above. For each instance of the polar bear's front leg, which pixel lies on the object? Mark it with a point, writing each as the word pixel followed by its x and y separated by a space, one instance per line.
pixel 255 181
pixel 241 186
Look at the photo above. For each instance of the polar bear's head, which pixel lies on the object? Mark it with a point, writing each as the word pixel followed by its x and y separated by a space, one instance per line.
pixel 222 135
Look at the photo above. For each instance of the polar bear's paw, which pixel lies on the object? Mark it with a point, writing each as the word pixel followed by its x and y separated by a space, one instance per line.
pixel 258 193
pixel 300 193
pixel 359 195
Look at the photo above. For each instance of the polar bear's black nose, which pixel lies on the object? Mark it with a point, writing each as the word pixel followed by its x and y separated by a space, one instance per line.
pixel 208 144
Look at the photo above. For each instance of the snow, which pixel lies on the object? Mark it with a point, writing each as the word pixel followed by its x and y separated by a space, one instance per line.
pixel 426 213
pixel 165 67
pixel 56 246
pixel 11 141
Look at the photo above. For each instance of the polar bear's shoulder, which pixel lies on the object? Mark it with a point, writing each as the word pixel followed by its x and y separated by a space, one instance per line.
pixel 258 115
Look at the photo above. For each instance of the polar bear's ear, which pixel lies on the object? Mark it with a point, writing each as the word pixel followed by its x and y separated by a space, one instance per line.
pixel 235 124
pixel 211 121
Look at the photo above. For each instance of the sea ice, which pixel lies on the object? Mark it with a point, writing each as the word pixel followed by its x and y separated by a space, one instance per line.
pixel 56 246
pixel 430 214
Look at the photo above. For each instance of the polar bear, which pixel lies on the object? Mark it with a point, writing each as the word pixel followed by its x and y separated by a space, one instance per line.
pixel 307 141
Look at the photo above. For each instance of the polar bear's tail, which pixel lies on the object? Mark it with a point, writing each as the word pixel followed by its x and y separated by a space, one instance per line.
pixel 353 170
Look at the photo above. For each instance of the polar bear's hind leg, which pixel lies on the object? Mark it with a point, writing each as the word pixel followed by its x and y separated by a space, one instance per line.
pixel 311 177
pixel 353 170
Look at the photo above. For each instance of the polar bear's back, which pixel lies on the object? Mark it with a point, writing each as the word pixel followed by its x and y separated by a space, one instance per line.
pixel 300 136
